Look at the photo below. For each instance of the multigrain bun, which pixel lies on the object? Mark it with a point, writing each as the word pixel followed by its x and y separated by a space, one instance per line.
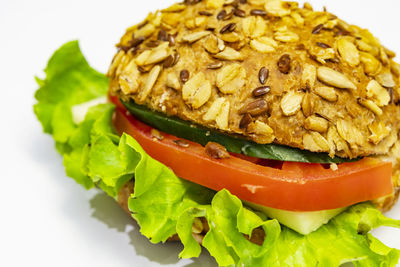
pixel 267 70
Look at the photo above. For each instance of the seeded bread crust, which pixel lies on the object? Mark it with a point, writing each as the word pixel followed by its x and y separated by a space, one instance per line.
pixel 265 69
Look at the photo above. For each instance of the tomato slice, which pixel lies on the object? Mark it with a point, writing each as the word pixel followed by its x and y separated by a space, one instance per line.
pixel 294 187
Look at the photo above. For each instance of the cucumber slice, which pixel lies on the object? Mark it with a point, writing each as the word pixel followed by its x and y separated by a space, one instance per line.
pixel 233 143
pixel 302 222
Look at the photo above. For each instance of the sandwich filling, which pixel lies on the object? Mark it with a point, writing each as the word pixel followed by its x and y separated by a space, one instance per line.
pixel 166 206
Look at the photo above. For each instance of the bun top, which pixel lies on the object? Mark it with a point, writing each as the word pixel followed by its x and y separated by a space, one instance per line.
pixel 267 70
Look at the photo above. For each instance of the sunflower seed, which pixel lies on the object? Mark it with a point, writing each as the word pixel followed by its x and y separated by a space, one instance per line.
pixel 197 227
pixel 146 30
pixel 229 54
pixel 369 104
pixel 263 75
pixel 315 142
pixel 327 93
pixel 193 37
pixel 372 66
pixel 153 56
pixel 258 12
pixel 231 37
pixel 262 129
pixel 215 65
pixel 173 81
pixel 156 134
pixel 150 82
pixel 181 143
pixel 222 119
pixel 334 78
pixel 309 76
pixel 177 57
pixel 129 78
pixel 315 123
pixel 291 103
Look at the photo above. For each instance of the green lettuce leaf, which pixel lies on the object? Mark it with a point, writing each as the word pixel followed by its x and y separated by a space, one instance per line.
pixel 344 239
pixel 69 81
pixel 90 150
pixel 165 205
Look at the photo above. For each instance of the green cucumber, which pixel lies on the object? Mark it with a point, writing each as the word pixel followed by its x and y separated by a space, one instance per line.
pixel 233 143
pixel 303 222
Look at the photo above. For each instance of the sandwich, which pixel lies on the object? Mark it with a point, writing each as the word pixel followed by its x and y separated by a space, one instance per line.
pixel 264 132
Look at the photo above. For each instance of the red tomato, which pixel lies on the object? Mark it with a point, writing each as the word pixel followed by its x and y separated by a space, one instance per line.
pixel 291 186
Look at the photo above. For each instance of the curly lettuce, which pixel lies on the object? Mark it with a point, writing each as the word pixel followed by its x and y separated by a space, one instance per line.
pixel 165 205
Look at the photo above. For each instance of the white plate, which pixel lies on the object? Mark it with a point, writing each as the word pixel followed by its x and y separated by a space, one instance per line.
pixel 47 219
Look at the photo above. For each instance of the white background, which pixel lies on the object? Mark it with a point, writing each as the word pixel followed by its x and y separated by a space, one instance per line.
pixel 48 220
